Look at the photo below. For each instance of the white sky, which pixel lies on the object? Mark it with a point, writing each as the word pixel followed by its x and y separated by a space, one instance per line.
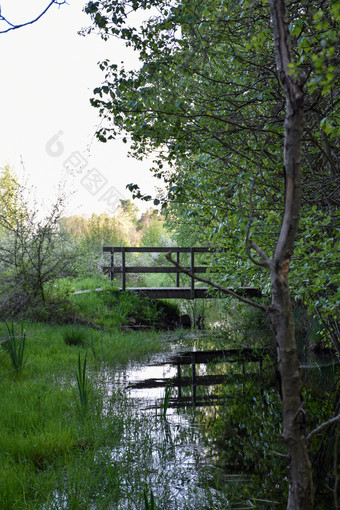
pixel 48 75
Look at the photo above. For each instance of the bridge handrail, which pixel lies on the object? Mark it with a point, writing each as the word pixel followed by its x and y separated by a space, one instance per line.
pixel 161 249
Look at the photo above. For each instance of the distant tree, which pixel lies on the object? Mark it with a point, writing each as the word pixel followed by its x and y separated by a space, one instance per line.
pixel 9 190
pixel 95 231
pixel 153 231
pixel 13 26
pixel 127 219
pixel 75 226
pixel 33 253
pixel 129 208
pixel 90 234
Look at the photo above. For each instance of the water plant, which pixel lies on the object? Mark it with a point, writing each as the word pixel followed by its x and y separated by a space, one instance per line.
pixel 149 503
pixel 14 344
pixel 166 401
pixel 82 383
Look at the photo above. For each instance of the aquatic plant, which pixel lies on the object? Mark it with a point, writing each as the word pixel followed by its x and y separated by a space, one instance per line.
pixel 82 383
pixel 14 344
pixel 149 503
pixel 166 400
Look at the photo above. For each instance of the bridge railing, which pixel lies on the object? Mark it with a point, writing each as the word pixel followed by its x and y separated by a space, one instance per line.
pixel 123 269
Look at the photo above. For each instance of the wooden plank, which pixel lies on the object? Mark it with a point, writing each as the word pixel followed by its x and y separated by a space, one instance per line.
pixel 175 292
pixel 161 249
pixel 151 269
pixel 201 380
pixel 185 292
pixel 204 400
pixel 170 292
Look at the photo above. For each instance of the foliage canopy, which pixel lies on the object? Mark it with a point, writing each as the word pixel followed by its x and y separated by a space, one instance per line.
pixel 207 103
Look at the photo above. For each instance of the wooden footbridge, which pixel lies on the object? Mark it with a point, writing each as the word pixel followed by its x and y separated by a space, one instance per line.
pixel 176 292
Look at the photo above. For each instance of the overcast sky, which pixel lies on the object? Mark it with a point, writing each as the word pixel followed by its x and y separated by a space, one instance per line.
pixel 48 75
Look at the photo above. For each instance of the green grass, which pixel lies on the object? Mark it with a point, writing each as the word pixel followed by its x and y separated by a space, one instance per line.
pixel 53 454
pixel 82 382
pixel 48 446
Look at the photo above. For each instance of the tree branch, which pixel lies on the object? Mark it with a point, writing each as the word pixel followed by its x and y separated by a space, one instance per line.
pixel 216 286
pixel 265 259
pixel 322 426
pixel 12 26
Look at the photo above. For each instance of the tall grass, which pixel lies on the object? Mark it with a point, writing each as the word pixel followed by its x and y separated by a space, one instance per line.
pixel 166 401
pixel 82 383
pixel 149 503
pixel 14 343
pixel 74 335
pixel 50 457
pixel 94 352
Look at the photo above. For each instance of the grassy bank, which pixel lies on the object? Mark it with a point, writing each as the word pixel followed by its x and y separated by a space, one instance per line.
pixel 51 445
pixel 55 445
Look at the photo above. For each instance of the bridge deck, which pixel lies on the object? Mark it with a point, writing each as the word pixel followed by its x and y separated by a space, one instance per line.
pixel 187 292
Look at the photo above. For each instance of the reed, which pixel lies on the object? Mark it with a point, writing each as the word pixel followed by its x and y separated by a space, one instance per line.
pixel 82 383
pixel 14 344
pixel 166 401
pixel 149 503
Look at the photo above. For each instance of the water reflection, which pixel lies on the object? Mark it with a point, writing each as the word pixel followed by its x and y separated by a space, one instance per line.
pixel 173 456
pixel 165 447
pixel 165 454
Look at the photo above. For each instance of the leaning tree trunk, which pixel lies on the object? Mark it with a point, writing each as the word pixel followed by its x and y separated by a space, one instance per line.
pixel 301 484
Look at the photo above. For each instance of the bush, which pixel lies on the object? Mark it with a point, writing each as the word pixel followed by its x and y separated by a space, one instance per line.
pixel 33 253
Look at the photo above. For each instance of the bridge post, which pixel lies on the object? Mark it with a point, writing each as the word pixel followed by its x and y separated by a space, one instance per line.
pixel 123 269
pixel 192 269
pixel 112 263
pixel 177 274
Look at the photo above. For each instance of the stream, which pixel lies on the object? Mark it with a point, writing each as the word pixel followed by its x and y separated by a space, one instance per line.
pixel 165 446
pixel 167 450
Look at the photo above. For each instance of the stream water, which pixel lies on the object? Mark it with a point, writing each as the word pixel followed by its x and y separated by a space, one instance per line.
pixel 164 446
pixel 166 450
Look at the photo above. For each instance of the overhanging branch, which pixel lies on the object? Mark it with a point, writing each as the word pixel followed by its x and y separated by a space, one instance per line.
pixel 183 269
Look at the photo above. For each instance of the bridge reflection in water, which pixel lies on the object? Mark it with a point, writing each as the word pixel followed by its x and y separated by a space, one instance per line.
pixel 240 357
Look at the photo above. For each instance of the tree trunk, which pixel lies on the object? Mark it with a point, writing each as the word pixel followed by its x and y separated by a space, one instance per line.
pixel 301 483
